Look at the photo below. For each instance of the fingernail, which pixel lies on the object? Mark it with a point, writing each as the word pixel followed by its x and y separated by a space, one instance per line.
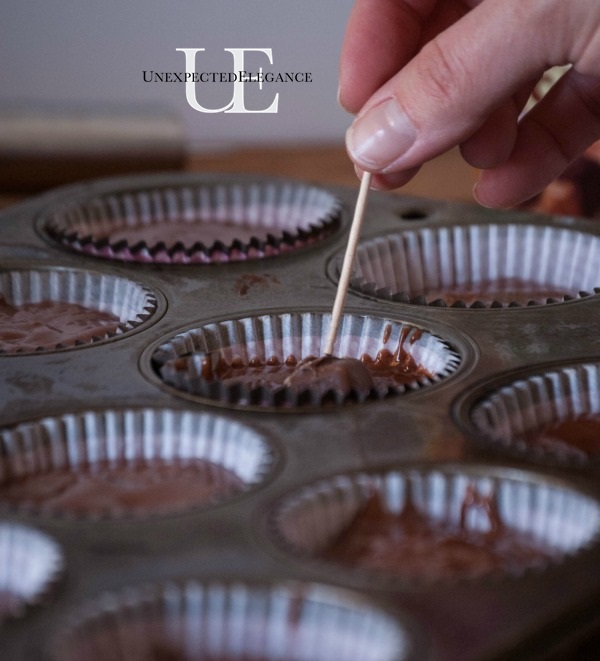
pixel 475 194
pixel 380 136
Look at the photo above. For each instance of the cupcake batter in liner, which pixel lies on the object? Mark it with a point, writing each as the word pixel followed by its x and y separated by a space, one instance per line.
pixel 131 462
pixel 255 361
pixel 30 565
pixel 436 524
pixel 552 416
pixel 479 266
pixel 195 621
pixel 45 310
pixel 200 223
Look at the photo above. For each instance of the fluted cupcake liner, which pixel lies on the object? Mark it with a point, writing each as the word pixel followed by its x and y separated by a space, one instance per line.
pixel 130 462
pixel 200 223
pixel 551 416
pixel 30 565
pixel 435 524
pixel 49 309
pixel 192 361
pixel 194 621
pixel 479 266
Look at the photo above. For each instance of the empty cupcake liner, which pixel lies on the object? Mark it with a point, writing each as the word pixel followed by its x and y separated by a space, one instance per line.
pixel 515 511
pixel 281 341
pixel 194 621
pixel 200 223
pixel 45 310
pixel 479 266
pixel 131 462
pixel 30 564
pixel 525 416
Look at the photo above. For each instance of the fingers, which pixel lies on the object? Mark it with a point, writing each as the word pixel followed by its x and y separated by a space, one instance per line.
pixel 493 141
pixel 381 37
pixel 447 92
pixel 551 136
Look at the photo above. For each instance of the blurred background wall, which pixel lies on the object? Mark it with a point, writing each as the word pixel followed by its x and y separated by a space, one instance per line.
pixel 71 57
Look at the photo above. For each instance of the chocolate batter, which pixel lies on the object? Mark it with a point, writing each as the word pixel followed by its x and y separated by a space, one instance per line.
pixel 413 545
pixel 125 487
pixel 331 373
pixel 505 290
pixel 50 325
pixel 578 436
pixel 319 374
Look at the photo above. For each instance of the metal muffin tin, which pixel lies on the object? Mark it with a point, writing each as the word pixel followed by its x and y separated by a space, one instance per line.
pixel 533 615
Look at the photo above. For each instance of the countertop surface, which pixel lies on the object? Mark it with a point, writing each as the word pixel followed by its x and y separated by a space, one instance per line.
pixel 447 177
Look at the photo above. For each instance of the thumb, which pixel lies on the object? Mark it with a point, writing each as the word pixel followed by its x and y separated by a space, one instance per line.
pixel 454 84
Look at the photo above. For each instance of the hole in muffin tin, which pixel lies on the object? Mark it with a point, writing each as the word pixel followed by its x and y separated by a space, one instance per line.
pixel 249 359
pixel 413 214
pixel 130 462
pixel 421 525
pixel 479 266
pixel 50 309
pixel 194 222
pixel 551 416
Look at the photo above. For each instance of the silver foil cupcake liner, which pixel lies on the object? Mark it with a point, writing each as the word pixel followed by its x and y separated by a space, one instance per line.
pixel 200 223
pixel 31 563
pixel 131 462
pixel 45 310
pixel 479 266
pixel 195 621
pixel 550 416
pixel 435 524
pixel 189 362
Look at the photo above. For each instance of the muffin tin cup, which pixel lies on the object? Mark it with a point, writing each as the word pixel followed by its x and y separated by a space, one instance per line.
pixel 556 519
pixel 520 416
pixel 123 305
pixel 130 462
pixel 31 563
pixel 479 266
pixel 193 620
pixel 277 339
pixel 200 222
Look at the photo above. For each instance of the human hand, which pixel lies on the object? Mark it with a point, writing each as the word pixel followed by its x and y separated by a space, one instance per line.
pixel 427 75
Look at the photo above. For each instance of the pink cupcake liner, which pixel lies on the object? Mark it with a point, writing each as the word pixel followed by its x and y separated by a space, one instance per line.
pixel 201 223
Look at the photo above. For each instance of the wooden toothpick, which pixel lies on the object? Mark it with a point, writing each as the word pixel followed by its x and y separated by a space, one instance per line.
pixel 342 289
